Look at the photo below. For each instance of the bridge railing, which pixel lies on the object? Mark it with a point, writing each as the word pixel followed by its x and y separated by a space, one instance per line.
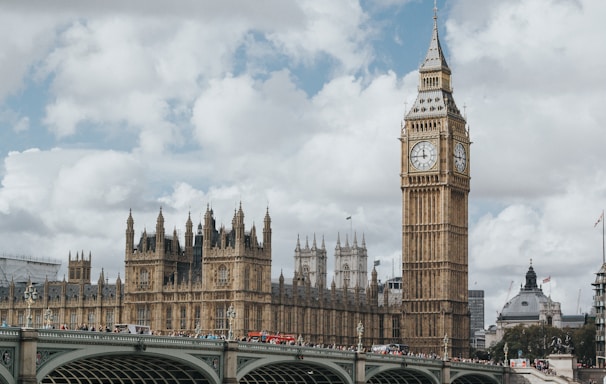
pixel 294 349
pixel 86 337
pixel 477 366
pixel 403 359
pixel 10 333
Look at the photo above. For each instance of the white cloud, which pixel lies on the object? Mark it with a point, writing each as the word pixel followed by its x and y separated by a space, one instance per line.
pixel 336 29
pixel 212 95
pixel 22 124
pixel 237 116
pixel 26 45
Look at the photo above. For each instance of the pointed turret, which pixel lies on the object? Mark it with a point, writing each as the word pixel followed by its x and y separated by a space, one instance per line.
pixel 160 235
pixel 175 243
pixel 253 236
pixel 118 287
pixel 101 280
pixel 209 227
pixel 267 233
pixel 239 228
pixel 144 240
pixel 130 233
pixel 373 288
pixel 189 238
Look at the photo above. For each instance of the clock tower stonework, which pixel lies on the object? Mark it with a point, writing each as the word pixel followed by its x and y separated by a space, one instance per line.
pixel 435 175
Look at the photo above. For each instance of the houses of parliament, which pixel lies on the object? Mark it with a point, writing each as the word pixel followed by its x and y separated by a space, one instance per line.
pixel 219 278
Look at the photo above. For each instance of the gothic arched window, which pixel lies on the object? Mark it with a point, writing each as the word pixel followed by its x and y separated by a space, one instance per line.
pixel 222 275
pixel 346 275
pixel 144 279
pixel 247 278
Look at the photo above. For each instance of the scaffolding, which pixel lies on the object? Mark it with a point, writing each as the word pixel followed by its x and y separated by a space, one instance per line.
pixel 21 269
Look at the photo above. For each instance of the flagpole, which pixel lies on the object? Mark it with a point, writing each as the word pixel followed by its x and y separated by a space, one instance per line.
pixel 603 262
pixel 351 229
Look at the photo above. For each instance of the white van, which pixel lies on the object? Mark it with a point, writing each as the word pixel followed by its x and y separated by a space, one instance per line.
pixel 134 329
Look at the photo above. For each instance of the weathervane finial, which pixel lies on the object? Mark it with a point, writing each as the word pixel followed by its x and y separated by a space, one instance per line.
pixel 435 9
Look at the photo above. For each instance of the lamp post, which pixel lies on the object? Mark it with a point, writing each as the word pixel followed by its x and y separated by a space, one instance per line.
pixel 231 314
pixel 360 330
pixel 445 347
pixel 30 295
pixel 506 351
pixel 48 318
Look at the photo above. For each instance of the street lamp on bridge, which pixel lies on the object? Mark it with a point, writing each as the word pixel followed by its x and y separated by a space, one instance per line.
pixel 48 318
pixel 506 351
pixel 30 295
pixel 360 330
pixel 231 314
pixel 445 347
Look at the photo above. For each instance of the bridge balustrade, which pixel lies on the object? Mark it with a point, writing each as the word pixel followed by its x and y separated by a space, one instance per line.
pixel 29 356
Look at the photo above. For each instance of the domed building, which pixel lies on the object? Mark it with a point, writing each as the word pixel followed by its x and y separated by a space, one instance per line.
pixel 531 307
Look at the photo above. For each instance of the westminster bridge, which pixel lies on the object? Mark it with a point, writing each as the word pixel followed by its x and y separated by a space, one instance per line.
pixel 32 356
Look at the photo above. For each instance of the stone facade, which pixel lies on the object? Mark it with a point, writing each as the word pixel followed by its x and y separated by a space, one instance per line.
pixel 351 264
pixel 310 263
pixel 189 288
pixel 435 176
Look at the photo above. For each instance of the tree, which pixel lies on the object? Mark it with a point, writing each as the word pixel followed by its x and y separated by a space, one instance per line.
pixel 584 343
pixel 537 342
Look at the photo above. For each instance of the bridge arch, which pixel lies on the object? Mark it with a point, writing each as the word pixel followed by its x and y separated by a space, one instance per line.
pixel 98 365
pixel 392 375
pixel 285 369
pixel 5 375
pixel 474 378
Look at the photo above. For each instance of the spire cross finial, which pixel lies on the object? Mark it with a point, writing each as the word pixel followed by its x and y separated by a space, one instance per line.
pixel 435 9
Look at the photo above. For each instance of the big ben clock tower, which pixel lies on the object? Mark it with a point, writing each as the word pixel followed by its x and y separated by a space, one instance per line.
pixel 435 187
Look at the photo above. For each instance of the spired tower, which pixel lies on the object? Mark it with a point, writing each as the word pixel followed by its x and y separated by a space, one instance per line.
pixel 435 187
pixel 310 263
pixel 153 268
pixel 79 269
pixel 236 275
pixel 219 280
pixel 351 264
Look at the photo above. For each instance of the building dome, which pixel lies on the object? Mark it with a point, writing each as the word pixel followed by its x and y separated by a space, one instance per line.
pixel 527 304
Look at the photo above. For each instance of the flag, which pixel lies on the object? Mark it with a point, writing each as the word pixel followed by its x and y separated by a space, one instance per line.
pixel 348 218
pixel 377 263
pixel 547 280
pixel 599 219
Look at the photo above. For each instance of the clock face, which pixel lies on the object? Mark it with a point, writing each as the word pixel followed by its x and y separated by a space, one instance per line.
pixel 423 155
pixel 460 157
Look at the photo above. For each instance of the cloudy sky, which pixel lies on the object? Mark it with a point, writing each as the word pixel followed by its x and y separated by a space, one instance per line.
pixel 296 106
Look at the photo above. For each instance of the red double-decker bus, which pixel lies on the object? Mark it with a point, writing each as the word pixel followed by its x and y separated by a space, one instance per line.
pixel 274 338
